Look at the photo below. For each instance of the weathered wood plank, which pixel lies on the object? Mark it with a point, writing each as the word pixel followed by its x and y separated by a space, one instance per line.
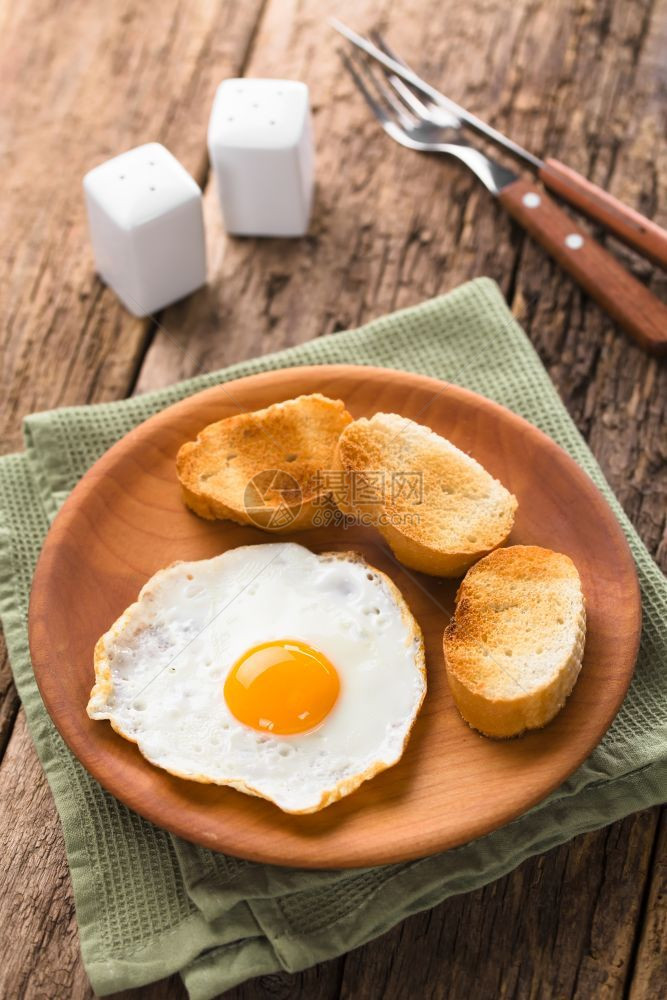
pixel 80 83
pixel 376 243
pixel 40 954
pixel 521 936
pixel 650 969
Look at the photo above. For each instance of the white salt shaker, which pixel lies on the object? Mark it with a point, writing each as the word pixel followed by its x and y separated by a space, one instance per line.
pixel 260 146
pixel 146 227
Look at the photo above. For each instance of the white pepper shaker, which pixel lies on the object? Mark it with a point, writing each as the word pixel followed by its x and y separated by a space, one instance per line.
pixel 261 150
pixel 146 226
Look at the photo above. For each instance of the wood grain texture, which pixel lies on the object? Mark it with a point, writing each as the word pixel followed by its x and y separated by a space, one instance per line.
pixel 581 81
pixel 650 967
pixel 81 83
pixel 36 900
pixel 527 950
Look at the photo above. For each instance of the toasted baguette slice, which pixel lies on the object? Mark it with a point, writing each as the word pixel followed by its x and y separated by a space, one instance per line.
pixel 514 647
pixel 439 509
pixel 264 468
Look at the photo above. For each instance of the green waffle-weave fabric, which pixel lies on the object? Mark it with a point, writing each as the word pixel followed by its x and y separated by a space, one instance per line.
pixel 149 904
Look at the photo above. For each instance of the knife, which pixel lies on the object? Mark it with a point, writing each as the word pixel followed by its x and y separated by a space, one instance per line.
pixel 628 225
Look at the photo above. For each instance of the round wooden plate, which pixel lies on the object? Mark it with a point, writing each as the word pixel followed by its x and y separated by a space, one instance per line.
pixel 125 520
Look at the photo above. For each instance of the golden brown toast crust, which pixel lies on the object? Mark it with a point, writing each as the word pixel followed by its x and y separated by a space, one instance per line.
pixel 462 513
pixel 514 648
pixel 296 437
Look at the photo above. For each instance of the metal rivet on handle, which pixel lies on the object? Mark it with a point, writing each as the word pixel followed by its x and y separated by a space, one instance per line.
pixel 531 200
pixel 574 241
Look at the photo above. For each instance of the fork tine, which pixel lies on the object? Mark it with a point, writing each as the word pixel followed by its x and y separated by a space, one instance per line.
pixel 492 175
pixel 384 92
pixel 375 107
pixel 419 107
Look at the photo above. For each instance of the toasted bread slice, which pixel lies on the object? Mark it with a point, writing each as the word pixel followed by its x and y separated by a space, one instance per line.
pixel 264 468
pixel 514 647
pixel 438 508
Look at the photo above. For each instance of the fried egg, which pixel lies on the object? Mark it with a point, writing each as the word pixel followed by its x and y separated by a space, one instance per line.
pixel 285 674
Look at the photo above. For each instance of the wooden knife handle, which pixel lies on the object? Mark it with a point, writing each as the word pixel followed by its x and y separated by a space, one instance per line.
pixel 630 226
pixel 605 279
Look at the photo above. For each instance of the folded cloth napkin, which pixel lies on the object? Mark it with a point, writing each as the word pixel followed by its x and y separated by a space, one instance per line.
pixel 149 904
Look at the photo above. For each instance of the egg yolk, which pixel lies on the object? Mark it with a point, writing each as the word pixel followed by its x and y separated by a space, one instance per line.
pixel 282 687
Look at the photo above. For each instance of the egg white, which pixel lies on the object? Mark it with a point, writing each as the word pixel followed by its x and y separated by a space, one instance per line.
pixel 160 671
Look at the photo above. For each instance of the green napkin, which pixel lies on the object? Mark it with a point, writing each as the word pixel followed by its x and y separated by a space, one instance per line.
pixel 149 904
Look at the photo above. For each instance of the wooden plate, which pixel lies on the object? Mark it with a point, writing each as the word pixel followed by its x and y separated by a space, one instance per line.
pixel 125 520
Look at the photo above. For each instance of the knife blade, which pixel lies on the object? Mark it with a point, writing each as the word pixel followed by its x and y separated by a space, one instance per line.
pixel 445 102
pixel 629 225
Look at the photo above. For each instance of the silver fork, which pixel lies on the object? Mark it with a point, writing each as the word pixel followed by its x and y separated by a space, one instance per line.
pixel 413 124
pixel 648 238
pixel 424 108
pixel 401 119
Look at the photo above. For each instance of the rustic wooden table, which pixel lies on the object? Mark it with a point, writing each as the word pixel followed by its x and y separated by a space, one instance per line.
pixel 580 79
